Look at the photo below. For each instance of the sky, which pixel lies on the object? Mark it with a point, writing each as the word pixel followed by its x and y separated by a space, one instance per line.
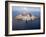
pixel 17 9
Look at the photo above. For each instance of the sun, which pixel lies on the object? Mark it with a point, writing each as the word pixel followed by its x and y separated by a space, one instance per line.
pixel 25 9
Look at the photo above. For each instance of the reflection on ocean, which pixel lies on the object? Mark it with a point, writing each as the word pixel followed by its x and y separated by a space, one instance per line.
pixel 22 25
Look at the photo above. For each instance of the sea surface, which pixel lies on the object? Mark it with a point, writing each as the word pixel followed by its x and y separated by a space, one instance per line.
pixel 23 25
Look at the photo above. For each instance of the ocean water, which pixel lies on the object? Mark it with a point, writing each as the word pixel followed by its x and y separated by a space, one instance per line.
pixel 22 25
